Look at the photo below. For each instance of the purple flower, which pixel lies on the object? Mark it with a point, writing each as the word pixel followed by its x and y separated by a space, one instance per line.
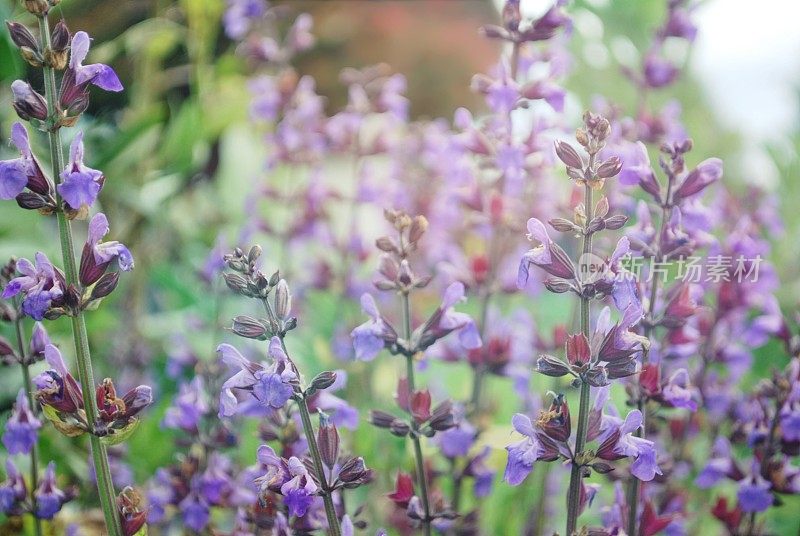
pixel 754 494
pixel 718 466
pixel 21 428
pixel 188 407
pixel 548 256
pixel 98 74
pixel 49 498
pixel 659 72
pixel 678 391
pixel 105 252
pixel 706 173
pixel 195 512
pixel 40 284
pixel 445 320
pixel 13 490
pixel 643 451
pixel 271 386
pixel 370 337
pixel 39 339
pixel 456 441
pixel 790 415
pixel 240 15
pixel 299 490
pixel 56 387
pixel 522 454
pixel 80 184
pixel 24 171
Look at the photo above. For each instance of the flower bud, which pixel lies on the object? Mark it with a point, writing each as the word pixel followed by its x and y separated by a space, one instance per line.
pixel 56 56
pixel 28 103
pixel 563 225
pixel 24 39
pixel 609 168
pixel 381 419
pixel 328 441
pixel 551 366
pixel 236 283
pixel 490 31
pixel 283 300
pixel 323 380
pixel 418 227
pixel 616 222
pixel 105 285
pixel 557 286
pixel 37 7
pixel 6 350
pixel 31 201
pixel 250 328
pixel 386 244
pixel 355 471
pixel 567 154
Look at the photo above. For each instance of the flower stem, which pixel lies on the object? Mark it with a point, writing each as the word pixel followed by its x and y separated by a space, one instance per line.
pixel 26 380
pixel 634 485
pixel 574 493
pixel 105 486
pixel 327 499
pixel 418 459
pixel 308 429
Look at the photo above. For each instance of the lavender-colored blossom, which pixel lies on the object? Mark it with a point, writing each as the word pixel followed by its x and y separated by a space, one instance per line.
pixel 547 256
pixel 13 490
pixel 240 15
pixel 20 172
pixel 105 252
pixel 21 428
pixel 80 184
pixel 49 498
pixel 719 466
pixel 370 337
pixel 300 489
pixel 644 466
pixel 754 494
pixel 522 454
pixel 271 386
pixel 98 74
pixel 40 284
pixel 188 407
pixel 195 512
pixel 678 391
pixel 445 320
pixel 456 441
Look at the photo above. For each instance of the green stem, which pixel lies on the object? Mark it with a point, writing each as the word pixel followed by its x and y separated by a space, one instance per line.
pixel 105 486
pixel 418 459
pixel 574 494
pixel 26 380
pixel 308 429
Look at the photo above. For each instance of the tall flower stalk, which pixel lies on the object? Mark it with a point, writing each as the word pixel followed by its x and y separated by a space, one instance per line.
pixel 596 355
pixel 46 291
pixel 105 485
pixel 271 387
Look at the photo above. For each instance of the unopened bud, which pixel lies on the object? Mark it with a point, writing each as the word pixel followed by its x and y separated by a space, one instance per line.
pixel 283 300
pixel 105 285
pixel 249 327
pixel 28 103
pixel 37 7
pixel 323 380
pixel 418 227
pixel 567 154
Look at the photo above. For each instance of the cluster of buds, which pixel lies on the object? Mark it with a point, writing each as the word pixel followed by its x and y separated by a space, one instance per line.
pixel 517 30
pixel 396 275
pixel 610 354
pixel 592 137
pixel 62 403
pixel 248 281
pixel 346 472
pixel 424 420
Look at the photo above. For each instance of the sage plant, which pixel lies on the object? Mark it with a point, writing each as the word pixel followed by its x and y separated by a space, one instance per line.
pixel 270 386
pixel 45 291
pixel 370 338
pixel 596 355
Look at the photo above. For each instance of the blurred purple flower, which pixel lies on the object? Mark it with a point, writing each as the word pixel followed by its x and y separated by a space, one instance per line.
pixel 105 252
pixel 40 285
pixel 49 498
pixel 21 428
